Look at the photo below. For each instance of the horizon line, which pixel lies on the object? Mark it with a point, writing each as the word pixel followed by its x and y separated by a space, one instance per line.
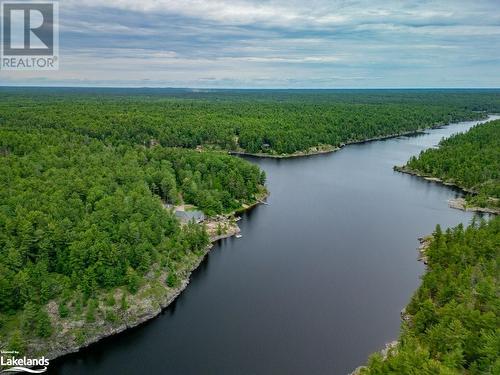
pixel 246 88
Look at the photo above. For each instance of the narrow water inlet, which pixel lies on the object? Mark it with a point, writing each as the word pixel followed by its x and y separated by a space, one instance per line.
pixel 315 284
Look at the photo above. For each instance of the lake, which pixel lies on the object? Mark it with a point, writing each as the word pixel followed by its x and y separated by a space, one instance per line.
pixel 317 281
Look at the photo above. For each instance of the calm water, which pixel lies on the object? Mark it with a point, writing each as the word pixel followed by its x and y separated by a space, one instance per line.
pixel 316 283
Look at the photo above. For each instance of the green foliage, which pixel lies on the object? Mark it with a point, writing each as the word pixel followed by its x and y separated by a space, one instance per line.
pixel 91 311
pixel 35 320
pixel 84 176
pixel 78 303
pixel 273 121
pixel 63 310
pixel 28 322
pixel 80 336
pixel 470 160
pixel 123 302
pixel 16 342
pixel 77 214
pixel 133 280
pixel 110 300
pixel 454 314
pixel 172 280
pixel 43 326
pixel 111 316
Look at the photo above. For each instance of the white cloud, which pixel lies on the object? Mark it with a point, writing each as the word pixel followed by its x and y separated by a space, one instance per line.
pixel 310 13
pixel 276 43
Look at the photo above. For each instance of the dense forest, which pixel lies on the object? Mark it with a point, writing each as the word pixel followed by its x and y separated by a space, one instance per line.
pixel 452 324
pixel 78 217
pixel 274 122
pixel 470 160
pixel 85 175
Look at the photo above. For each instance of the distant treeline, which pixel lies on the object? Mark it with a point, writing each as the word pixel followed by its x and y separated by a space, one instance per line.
pixel 279 122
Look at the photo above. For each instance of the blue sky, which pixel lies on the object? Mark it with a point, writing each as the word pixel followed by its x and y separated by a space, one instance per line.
pixel 275 44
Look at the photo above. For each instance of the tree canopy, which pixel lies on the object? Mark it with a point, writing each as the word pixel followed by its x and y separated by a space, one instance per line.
pixel 470 160
pixel 452 325
pixel 274 122
pixel 80 216
pixel 85 175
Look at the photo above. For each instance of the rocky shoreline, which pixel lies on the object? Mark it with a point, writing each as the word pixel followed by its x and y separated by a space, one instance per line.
pixel 424 245
pixel 327 149
pixel 405 317
pixel 461 204
pixel 384 353
pixel 73 335
pixel 324 149
pixel 151 299
pixel 404 169
pixel 457 203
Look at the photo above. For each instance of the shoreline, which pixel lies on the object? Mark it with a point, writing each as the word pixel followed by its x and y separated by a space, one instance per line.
pixel 139 314
pixel 425 242
pixel 150 300
pixel 383 352
pixel 298 154
pixel 461 204
pixel 456 203
pixel 328 149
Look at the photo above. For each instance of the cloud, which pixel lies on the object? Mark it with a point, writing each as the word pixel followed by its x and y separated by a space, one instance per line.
pixel 275 43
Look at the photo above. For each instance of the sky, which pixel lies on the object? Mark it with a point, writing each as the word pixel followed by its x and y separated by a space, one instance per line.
pixel 274 44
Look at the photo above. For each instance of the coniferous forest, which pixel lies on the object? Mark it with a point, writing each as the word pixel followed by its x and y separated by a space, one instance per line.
pixel 271 122
pixel 470 160
pixel 86 174
pixel 451 324
pixel 80 217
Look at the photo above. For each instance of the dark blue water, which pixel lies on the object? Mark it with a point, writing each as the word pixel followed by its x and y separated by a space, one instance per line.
pixel 316 283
